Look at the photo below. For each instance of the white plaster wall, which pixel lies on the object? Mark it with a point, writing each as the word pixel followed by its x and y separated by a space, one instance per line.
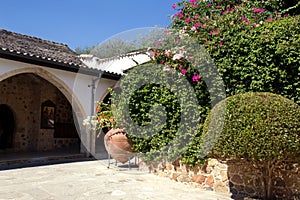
pixel 76 84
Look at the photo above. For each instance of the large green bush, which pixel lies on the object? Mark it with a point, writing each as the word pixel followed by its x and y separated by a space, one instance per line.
pixel 257 126
pixel 263 128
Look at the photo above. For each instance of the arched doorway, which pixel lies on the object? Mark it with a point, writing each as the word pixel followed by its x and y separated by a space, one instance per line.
pixel 28 94
pixel 7 127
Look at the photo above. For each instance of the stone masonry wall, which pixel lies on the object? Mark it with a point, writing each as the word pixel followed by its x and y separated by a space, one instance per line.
pixel 236 177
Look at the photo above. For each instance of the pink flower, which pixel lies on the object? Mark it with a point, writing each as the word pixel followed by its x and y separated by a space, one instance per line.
pixel 269 19
pixel 258 10
pixel 211 32
pixel 254 24
pixel 180 67
pixel 196 78
pixel 187 20
pixel 162 62
pixel 180 15
pixel 221 43
pixel 177 56
pixel 184 71
pixel 167 68
pixel 168 53
pixel 244 19
pixel 285 15
pixel 208 4
pixel 197 25
pixel 192 1
pixel 196 16
pixel 174 5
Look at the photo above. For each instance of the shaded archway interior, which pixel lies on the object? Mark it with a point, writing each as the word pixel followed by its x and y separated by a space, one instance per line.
pixel 25 94
pixel 7 127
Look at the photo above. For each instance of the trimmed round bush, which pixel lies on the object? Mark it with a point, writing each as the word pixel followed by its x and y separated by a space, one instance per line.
pixel 255 126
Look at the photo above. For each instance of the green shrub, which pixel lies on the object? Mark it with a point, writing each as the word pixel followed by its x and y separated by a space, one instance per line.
pixel 151 110
pixel 263 128
pixel 257 126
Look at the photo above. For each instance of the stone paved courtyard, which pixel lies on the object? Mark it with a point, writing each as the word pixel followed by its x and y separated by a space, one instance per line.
pixel 92 180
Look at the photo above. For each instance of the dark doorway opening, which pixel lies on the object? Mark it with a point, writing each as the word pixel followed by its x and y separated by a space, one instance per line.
pixel 7 126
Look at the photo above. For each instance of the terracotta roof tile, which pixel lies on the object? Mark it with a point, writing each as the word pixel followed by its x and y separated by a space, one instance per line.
pixel 36 47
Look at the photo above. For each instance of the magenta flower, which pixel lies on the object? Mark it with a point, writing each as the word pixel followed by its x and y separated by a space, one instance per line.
pixel 208 4
pixel 180 15
pixel 162 62
pixel 184 71
pixel 174 5
pixel 211 32
pixel 258 10
pixel 245 19
pixel 221 43
pixel 187 20
pixel 197 25
pixel 192 1
pixel 196 78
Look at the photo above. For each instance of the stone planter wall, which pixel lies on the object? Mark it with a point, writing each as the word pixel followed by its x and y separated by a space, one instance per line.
pixel 237 177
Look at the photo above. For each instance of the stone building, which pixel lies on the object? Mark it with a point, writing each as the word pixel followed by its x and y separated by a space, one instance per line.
pixel 46 91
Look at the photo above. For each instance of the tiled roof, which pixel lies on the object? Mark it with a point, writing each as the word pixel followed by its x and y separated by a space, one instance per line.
pixel 34 50
pixel 29 46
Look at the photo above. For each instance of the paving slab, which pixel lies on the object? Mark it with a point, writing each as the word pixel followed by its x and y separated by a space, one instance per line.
pixel 93 180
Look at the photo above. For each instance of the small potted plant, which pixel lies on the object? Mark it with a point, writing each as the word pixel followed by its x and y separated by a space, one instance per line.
pixel 115 140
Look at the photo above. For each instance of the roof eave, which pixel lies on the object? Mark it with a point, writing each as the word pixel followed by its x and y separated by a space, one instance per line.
pixel 55 64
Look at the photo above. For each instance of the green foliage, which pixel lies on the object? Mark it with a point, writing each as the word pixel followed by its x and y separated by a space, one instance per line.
pixel 157 111
pixel 257 126
pixel 254 47
pixel 266 59
pixel 254 44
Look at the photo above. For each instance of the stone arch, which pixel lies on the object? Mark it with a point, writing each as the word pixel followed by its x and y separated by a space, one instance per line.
pixel 63 87
pixel 77 108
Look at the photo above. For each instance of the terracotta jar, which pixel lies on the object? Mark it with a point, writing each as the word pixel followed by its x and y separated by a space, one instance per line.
pixel 118 145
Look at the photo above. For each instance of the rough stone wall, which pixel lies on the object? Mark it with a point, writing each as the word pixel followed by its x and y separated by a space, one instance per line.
pixel 24 94
pixel 238 177
pixel 245 180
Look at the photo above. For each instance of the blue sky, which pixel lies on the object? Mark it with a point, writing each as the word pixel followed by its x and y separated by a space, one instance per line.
pixel 82 23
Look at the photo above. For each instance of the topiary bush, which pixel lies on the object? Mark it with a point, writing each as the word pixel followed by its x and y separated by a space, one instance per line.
pixel 261 127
